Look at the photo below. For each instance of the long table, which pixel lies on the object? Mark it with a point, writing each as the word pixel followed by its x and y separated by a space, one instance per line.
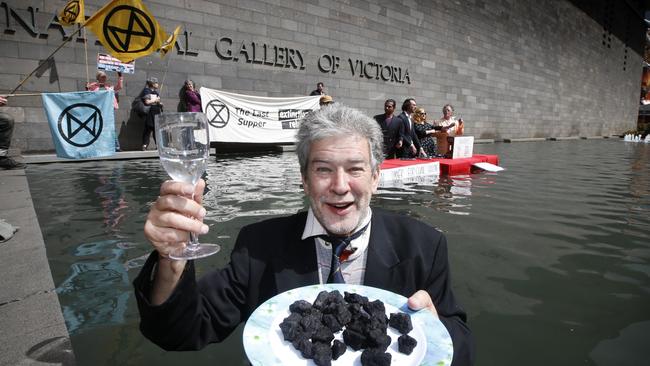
pixel 460 166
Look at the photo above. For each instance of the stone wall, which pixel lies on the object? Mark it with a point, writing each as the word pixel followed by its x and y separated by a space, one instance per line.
pixel 513 69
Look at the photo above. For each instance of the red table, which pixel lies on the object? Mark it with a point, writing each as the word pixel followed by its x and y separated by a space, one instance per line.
pixel 447 166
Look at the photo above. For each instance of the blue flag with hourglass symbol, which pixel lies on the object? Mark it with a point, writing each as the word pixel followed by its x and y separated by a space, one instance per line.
pixel 82 123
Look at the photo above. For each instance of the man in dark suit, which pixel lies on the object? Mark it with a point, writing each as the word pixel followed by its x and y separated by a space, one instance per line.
pixel 339 151
pixel 409 143
pixel 390 127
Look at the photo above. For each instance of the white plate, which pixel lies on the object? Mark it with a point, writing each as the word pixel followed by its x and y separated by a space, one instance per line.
pixel 265 345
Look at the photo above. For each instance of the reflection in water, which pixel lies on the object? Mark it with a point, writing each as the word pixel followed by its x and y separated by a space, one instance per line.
pixel 550 258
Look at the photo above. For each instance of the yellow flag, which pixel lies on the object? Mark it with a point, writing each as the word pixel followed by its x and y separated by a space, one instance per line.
pixel 169 43
pixel 72 13
pixel 127 30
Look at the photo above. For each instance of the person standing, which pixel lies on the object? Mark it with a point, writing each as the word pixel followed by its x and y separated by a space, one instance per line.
pixel 389 127
pixel 339 153
pixel 151 98
pixel 190 97
pixel 319 89
pixel 425 132
pixel 102 83
pixel 408 145
pixel 6 131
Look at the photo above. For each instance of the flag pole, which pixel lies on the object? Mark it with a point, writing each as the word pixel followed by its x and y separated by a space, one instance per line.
pixel 86 52
pixel 47 58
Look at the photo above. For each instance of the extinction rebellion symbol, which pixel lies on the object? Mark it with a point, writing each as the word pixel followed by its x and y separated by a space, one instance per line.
pixel 217 113
pixel 71 12
pixel 140 30
pixel 80 124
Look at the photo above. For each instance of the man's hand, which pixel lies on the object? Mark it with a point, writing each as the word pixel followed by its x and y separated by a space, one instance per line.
pixel 414 150
pixel 3 101
pixel 399 144
pixel 421 300
pixel 174 215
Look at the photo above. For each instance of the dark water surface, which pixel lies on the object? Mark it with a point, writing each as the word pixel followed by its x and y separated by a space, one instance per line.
pixel 551 258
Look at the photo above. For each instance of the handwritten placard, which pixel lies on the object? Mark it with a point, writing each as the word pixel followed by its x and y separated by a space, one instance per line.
pixel 463 147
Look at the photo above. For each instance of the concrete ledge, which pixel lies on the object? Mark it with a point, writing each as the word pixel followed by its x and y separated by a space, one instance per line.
pixel 484 141
pixel 33 328
pixel 563 138
pixel 525 139
pixel 122 155
pixel 592 137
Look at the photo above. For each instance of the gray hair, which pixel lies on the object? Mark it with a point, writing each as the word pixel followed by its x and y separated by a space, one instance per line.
pixel 338 120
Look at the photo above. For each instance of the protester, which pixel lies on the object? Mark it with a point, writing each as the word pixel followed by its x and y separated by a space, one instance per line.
pixel 319 89
pixel 6 131
pixel 408 145
pixel 325 100
pixel 339 151
pixel 190 97
pixel 151 98
pixel 425 132
pixel 451 127
pixel 390 127
pixel 102 83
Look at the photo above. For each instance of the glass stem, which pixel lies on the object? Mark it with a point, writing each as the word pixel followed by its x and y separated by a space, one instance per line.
pixel 193 244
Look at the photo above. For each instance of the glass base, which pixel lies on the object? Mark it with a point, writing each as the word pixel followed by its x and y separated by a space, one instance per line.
pixel 199 251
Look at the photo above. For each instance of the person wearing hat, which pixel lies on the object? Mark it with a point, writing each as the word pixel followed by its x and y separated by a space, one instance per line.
pixel 151 98
pixel 325 100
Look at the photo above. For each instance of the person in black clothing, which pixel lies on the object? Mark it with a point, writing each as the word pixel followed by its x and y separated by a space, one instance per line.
pixel 408 145
pixel 319 89
pixel 151 98
pixel 389 127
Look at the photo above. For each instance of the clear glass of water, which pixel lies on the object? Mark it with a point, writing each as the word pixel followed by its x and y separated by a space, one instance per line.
pixel 184 147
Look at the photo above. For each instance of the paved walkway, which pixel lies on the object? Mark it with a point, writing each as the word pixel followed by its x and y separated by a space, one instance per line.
pixel 32 329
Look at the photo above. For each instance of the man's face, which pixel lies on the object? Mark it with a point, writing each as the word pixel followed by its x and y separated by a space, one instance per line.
pixel 411 107
pixel 447 112
pixel 339 182
pixel 389 108
pixel 319 87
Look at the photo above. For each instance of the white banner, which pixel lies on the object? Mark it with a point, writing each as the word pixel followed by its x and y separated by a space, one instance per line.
pixel 247 118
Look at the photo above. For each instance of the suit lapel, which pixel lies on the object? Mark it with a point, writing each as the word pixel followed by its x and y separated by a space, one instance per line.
pixel 295 264
pixel 381 255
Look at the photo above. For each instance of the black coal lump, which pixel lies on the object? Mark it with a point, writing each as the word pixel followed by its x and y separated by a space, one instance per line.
pixel 401 322
pixel 322 354
pixel 291 329
pixel 343 315
pixel 323 335
pixel 338 348
pixel 321 299
pixel 310 323
pixel 375 357
pixel 406 343
pixel 354 339
pixel 300 307
pixel 375 308
pixel 332 323
pixel 377 338
pixel 353 298
pixel 305 347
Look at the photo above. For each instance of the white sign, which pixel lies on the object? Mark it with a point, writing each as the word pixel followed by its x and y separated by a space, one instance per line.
pixel 110 63
pixel 247 118
pixel 409 173
pixel 463 147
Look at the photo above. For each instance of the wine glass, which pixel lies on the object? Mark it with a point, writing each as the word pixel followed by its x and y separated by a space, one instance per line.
pixel 184 147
